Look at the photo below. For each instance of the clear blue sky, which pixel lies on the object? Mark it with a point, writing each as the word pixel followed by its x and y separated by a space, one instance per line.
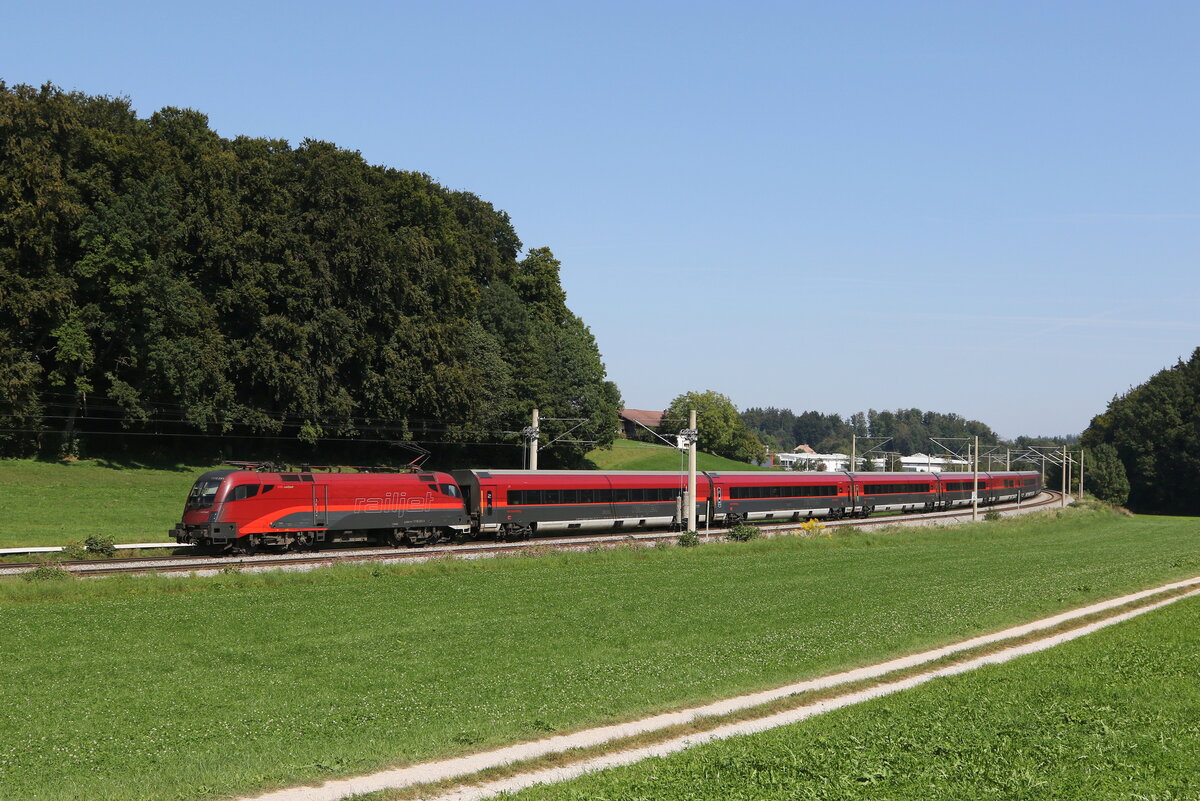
pixel 980 207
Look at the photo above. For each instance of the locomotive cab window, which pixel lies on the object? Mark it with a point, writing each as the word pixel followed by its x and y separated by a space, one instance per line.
pixel 203 493
pixel 451 490
pixel 243 492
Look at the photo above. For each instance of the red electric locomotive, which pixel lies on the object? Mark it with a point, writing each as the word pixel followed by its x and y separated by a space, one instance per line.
pixel 244 509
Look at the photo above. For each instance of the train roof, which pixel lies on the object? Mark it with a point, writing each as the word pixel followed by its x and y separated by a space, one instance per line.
pixel 576 473
pixel 303 475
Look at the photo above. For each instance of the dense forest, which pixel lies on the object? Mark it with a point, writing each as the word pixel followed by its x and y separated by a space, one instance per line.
pixel 909 429
pixel 245 296
pixel 1154 430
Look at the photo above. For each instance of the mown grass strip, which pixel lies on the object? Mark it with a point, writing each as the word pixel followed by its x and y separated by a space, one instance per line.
pixel 140 688
pixel 1113 715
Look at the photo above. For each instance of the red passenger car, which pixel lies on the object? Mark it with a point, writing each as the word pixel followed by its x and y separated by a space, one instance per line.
pixel 514 504
pixel 776 495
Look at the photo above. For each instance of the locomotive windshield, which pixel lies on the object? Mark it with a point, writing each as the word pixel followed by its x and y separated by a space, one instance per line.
pixel 203 492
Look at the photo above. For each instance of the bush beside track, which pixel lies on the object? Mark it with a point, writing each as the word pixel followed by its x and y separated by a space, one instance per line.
pixel 139 688
pixel 1112 715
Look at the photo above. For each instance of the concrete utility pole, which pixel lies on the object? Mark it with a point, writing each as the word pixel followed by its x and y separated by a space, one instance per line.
pixel 1081 474
pixel 532 434
pixel 853 445
pixel 1064 477
pixel 975 491
pixel 1007 460
pixel 690 500
pixel 1070 469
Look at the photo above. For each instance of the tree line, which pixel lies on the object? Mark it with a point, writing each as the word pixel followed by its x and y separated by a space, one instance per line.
pixel 1148 441
pixel 161 280
pixel 909 429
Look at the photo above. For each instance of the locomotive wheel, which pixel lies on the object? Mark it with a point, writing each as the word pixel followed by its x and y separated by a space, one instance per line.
pixel 303 541
pixel 421 537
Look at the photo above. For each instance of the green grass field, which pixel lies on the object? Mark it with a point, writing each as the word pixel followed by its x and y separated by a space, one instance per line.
pixel 202 688
pixel 53 503
pixel 1115 715
pixel 626 454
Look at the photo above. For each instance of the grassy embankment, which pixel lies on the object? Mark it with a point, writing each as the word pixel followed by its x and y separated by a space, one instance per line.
pixel 628 454
pixel 155 688
pixel 1113 715
pixel 53 503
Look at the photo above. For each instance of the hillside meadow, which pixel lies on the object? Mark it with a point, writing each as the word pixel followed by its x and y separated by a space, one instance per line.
pixel 53 503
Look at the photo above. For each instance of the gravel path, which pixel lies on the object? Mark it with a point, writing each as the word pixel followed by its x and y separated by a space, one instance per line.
pixel 464 766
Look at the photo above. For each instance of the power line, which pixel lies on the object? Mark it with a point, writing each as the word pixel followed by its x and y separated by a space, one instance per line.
pixel 247 436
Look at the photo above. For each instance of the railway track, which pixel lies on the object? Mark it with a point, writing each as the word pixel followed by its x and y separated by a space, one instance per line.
pixel 208 565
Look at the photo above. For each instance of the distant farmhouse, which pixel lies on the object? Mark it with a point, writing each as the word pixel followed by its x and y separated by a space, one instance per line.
pixel 631 422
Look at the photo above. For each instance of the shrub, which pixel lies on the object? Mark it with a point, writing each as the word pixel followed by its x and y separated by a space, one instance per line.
pixel 743 533
pixel 991 514
pixel 689 539
pixel 812 527
pixel 100 546
pixel 74 551
pixel 47 571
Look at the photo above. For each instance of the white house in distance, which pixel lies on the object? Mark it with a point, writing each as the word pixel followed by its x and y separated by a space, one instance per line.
pixel 804 458
pixel 812 461
pixel 924 463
